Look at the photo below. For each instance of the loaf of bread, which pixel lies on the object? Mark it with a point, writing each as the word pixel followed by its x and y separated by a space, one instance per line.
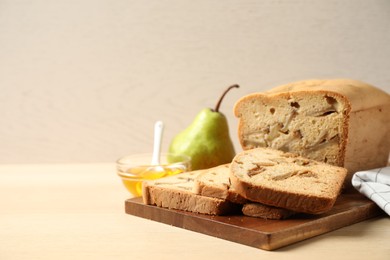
pixel 175 192
pixel 215 182
pixel 286 180
pixel 341 122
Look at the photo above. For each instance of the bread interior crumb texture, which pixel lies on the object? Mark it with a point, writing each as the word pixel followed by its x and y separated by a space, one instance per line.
pixel 307 123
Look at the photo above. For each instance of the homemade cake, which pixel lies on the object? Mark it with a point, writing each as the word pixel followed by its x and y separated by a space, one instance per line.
pixel 341 122
pixel 175 192
pixel 286 180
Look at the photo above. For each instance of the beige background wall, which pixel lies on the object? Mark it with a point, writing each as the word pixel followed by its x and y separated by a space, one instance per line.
pixel 84 81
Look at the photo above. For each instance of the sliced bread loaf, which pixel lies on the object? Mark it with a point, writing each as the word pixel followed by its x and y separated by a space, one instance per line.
pixel 175 192
pixel 342 122
pixel 215 182
pixel 286 180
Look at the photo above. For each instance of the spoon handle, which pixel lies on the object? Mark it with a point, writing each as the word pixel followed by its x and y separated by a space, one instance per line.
pixel 158 130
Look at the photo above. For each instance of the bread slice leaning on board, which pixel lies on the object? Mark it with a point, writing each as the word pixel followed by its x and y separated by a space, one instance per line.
pixel 341 122
pixel 286 180
pixel 215 182
pixel 175 192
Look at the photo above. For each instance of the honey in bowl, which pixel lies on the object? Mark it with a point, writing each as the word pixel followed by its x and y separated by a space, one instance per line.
pixel 134 169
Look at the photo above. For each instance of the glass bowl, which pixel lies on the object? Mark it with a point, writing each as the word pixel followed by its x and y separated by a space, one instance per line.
pixel 134 169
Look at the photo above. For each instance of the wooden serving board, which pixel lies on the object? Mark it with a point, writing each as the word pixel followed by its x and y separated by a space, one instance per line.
pixel 351 207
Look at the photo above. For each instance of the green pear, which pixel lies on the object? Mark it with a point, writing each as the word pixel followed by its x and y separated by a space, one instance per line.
pixel 206 140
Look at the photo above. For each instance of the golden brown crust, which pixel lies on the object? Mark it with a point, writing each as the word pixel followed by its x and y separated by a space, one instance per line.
pixel 360 93
pixel 281 199
pixel 287 181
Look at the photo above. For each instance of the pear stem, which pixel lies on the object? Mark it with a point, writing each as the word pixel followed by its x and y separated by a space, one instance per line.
pixel 216 109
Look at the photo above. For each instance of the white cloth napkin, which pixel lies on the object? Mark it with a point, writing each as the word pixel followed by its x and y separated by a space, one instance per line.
pixel 375 185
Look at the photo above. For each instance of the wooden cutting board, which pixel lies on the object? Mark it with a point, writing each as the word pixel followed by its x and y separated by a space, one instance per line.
pixel 351 207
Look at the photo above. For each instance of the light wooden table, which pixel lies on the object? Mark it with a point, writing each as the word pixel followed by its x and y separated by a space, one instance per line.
pixel 76 211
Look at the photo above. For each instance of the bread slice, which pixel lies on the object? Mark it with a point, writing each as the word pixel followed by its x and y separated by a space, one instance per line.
pixel 215 182
pixel 342 122
pixel 259 210
pixel 286 180
pixel 175 192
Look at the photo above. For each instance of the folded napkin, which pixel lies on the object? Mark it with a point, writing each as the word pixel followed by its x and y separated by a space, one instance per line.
pixel 375 185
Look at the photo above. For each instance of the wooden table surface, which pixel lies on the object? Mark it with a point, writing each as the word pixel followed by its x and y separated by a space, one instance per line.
pixel 76 211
